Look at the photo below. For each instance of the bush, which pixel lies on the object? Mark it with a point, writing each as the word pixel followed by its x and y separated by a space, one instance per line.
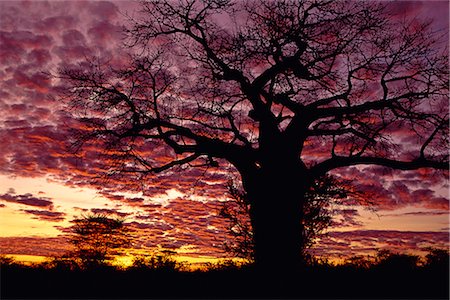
pixel 227 265
pixel 396 261
pixel 437 258
pixel 359 262
pixel 161 261
pixel 65 262
pixel 6 261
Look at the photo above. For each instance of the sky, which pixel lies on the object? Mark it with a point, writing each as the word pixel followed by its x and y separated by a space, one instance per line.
pixel 43 186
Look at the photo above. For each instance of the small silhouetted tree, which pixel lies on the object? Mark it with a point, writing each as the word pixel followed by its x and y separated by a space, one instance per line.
pixel 284 91
pixel 97 238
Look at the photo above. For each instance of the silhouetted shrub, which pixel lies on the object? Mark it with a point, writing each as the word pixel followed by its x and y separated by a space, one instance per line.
pixel 359 262
pixel 66 262
pixel 6 261
pixel 437 258
pixel 396 261
pixel 227 265
pixel 162 261
pixel 160 276
pixel 312 261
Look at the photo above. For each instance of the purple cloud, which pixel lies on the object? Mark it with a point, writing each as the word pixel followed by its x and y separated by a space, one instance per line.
pixel 108 211
pixel 44 246
pixel 27 199
pixel 417 213
pixel 51 216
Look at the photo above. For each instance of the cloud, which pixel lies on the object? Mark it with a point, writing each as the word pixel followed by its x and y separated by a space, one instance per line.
pixel 400 9
pixel 44 246
pixel 416 213
pixel 30 200
pixel 27 199
pixel 104 10
pixel 56 23
pixel 177 223
pixel 37 132
pixel 345 218
pixel 367 242
pixel 387 189
pixel 14 45
pixel 429 200
pixel 107 211
pixel 104 32
pixel 51 216
pixel 157 226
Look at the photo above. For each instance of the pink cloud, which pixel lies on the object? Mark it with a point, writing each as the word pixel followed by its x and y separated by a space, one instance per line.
pixel 104 10
pixel 104 32
pixel 405 8
pixel 440 203
pixel 55 24
pixel 37 81
pixel 367 242
pixel 72 38
pixel 39 56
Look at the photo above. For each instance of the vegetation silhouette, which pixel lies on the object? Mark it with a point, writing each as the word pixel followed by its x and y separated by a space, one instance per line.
pixel 386 275
pixel 97 239
pixel 284 91
pixel 162 261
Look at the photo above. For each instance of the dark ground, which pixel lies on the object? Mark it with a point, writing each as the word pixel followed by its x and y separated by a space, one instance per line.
pixel 312 283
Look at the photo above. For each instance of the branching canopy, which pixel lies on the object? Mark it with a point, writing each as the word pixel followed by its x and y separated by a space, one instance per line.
pixel 334 83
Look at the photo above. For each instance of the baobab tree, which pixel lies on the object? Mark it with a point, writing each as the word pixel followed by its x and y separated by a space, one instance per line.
pixel 317 209
pixel 284 91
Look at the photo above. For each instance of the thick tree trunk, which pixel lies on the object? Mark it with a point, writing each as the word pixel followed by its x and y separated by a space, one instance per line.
pixel 276 214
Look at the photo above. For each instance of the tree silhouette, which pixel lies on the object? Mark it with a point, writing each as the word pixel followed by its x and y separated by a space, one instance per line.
pixel 97 238
pixel 318 215
pixel 284 91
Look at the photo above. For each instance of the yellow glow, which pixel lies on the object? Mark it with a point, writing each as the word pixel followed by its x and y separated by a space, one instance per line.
pixel 123 261
pixel 64 197
pixel 15 223
pixel 28 259
pixel 191 263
